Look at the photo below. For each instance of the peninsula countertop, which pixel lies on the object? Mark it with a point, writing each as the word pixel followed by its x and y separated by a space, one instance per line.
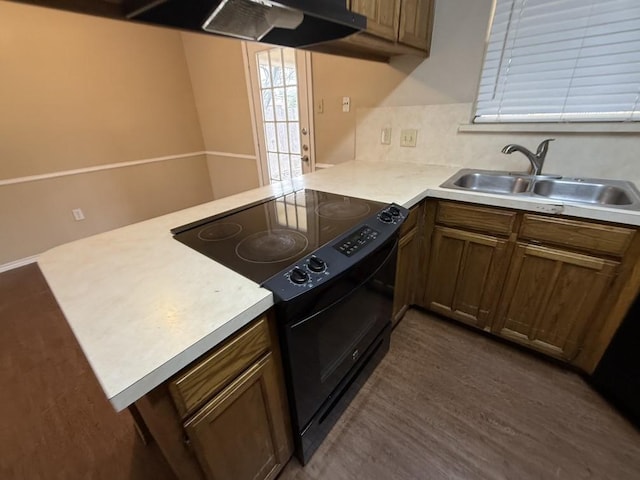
pixel 143 306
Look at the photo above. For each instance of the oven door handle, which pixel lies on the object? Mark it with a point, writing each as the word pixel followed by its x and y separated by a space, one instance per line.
pixel 382 264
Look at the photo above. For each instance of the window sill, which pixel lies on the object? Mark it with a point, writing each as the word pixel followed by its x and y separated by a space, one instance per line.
pixel 577 128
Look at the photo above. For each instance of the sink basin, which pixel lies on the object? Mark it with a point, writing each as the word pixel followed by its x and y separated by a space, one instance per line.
pixel 491 183
pixel 610 193
pixel 578 191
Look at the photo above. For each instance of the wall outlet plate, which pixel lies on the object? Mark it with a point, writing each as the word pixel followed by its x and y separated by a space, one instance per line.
pixel 408 138
pixel 78 214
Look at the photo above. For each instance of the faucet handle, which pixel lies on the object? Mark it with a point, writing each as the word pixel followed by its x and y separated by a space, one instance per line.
pixel 543 147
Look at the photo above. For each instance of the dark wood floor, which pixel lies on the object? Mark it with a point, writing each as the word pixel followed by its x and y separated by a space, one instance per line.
pixel 445 403
pixel 55 421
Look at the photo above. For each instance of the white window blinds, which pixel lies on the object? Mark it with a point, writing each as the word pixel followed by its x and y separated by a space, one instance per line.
pixel 562 61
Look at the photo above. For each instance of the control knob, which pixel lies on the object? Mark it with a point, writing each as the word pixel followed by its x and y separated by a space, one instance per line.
pixel 316 264
pixel 386 217
pixel 299 276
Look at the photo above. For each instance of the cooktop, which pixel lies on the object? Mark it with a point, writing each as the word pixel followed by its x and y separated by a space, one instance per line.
pixel 264 238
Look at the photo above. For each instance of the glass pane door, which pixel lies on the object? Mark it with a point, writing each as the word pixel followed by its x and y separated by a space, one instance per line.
pixel 280 112
pixel 280 93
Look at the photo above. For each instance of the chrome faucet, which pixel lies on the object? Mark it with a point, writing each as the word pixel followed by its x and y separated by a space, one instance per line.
pixel 536 159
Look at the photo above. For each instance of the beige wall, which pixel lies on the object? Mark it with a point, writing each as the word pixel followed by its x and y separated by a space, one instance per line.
pixel 36 215
pixel 232 175
pixel 77 91
pixel 217 75
pixel 449 75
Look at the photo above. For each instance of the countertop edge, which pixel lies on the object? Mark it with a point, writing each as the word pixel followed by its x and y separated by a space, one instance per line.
pixel 536 205
pixel 164 372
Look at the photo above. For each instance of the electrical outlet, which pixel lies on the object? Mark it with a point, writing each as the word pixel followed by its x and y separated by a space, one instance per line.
pixel 385 136
pixel 77 214
pixel 408 138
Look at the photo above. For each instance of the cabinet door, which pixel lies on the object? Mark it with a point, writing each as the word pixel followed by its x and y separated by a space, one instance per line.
pixel 405 274
pixel 416 23
pixel 466 273
pixel 241 433
pixel 382 16
pixel 551 297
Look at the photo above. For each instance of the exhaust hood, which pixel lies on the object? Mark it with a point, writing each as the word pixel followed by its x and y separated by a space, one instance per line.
pixel 291 23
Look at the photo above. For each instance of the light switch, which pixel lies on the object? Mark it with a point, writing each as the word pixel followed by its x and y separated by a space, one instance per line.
pixel 408 138
pixel 346 104
pixel 385 136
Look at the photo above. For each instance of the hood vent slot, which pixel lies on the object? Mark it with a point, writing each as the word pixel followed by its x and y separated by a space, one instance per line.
pixel 251 19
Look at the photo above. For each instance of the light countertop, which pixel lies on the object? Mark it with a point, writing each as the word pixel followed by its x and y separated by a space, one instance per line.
pixel 143 306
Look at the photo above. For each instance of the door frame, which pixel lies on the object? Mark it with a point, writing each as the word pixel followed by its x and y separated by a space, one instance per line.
pixel 263 173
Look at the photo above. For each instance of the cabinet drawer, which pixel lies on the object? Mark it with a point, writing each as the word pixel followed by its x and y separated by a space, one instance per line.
pixel 194 386
pixel 489 220
pixel 411 221
pixel 592 237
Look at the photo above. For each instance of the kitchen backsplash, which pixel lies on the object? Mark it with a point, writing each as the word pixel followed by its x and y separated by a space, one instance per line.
pixel 439 142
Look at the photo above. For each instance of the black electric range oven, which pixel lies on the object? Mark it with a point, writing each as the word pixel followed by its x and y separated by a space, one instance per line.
pixel 330 262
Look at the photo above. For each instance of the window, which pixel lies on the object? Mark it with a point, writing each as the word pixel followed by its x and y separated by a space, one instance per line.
pixel 561 61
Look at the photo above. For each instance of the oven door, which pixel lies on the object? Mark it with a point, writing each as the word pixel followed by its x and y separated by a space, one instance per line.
pixel 327 342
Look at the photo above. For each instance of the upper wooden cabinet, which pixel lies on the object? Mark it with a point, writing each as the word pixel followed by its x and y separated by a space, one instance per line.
pixel 383 16
pixel 394 27
pixel 416 23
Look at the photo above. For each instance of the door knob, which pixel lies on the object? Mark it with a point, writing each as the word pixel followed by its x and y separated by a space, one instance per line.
pixel 305 158
pixel 304 131
pixel 305 148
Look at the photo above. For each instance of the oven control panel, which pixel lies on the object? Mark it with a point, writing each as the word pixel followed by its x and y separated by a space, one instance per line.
pixel 392 215
pixel 334 258
pixel 308 272
pixel 357 240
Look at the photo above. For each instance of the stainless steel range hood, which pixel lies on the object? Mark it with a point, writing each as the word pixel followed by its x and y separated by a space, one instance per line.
pixel 291 23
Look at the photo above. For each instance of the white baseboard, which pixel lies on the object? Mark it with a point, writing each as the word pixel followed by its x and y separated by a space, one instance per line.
pixel 21 262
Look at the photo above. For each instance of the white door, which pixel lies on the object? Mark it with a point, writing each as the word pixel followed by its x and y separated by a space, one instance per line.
pixel 280 88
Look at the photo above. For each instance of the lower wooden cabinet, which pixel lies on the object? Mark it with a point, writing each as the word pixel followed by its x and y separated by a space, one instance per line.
pixel 240 434
pixel 407 264
pixel 552 297
pixel 465 275
pixel 557 285
pixel 405 274
pixel 225 417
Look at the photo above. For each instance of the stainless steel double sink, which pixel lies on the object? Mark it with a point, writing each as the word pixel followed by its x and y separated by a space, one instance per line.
pixel 610 193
